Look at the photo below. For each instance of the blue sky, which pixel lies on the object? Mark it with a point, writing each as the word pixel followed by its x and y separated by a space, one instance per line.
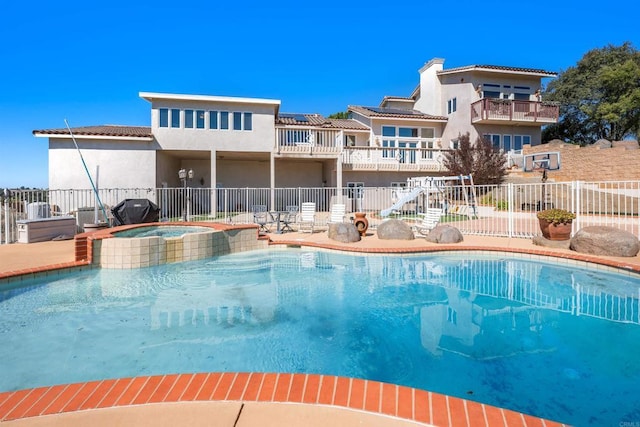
pixel 87 61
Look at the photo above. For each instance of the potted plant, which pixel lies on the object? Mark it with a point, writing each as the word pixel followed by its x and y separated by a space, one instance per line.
pixel 556 223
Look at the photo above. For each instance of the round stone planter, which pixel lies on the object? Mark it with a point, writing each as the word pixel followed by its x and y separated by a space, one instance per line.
pixel 361 222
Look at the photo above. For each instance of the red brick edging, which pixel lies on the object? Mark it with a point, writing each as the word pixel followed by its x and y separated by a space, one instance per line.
pixel 362 395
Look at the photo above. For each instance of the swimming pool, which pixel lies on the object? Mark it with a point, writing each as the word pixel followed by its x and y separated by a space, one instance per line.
pixel 160 231
pixel 552 341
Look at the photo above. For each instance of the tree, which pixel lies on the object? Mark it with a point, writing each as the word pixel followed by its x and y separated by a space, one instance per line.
pixel 599 97
pixel 483 161
pixel 339 115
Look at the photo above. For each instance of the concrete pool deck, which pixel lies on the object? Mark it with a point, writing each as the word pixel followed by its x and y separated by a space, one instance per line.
pixel 239 399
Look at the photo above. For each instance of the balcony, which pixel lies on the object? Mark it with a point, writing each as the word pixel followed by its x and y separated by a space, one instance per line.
pixel 506 111
pixel 305 142
pixel 393 159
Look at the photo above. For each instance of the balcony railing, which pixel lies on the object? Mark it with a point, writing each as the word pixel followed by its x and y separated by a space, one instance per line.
pixel 308 141
pixel 393 158
pixel 491 110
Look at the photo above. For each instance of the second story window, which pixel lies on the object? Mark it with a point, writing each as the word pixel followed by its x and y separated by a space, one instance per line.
pixel 490 90
pixel 164 118
pixel 175 118
pixel 213 120
pixel 200 119
pixel 237 121
pixel 188 119
pixel 248 121
pixel 452 105
pixel 224 120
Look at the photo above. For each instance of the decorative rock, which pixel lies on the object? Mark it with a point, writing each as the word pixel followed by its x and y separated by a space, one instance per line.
pixel 629 144
pixel 343 232
pixel 395 229
pixel 609 241
pixel 560 244
pixel 602 143
pixel 445 234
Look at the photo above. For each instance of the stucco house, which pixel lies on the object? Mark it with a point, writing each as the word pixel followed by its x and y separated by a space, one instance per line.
pixel 232 142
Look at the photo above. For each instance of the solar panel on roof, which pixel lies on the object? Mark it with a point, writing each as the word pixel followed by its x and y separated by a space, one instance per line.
pixel 297 117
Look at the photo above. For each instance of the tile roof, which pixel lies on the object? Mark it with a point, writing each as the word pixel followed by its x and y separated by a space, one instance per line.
pixel 347 124
pixel 318 120
pixel 393 113
pixel 499 68
pixel 295 119
pixel 103 130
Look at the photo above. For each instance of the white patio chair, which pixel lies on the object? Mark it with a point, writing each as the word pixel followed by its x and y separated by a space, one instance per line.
pixel 430 219
pixel 307 216
pixel 337 213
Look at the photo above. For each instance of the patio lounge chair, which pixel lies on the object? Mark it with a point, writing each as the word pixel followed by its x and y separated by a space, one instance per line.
pixel 429 221
pixel 262 217
pixel 289 218
pixel 337 213
pixel 307 216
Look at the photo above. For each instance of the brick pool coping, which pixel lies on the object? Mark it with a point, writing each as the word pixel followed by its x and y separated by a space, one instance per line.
pixel 357 394
pixel 361 395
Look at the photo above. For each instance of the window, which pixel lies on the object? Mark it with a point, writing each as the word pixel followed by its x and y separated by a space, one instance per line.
pixel 356 190
pixel 248 121
pixel 164 118
pixel 188 119
pixel 224 120
pixel 213 120
pixel 388 143
pixel 506 142
pixel 490 94
pixel 388 153
pixel 454 144
pixel 388 131
pixel 408 132
pixel 494 139
pixel 237 121
pixel 401 184
pixel 349 140
pixel 200 119
pixel 521 96
pixel 520 140
pixel 428 134
pixel 175 118
pixel 452 105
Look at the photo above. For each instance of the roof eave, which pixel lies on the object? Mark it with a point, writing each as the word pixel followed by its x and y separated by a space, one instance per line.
pixel 86 136
pixel 151 96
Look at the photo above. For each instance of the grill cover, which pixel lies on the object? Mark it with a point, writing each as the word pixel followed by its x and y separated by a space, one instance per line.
pixel 135 211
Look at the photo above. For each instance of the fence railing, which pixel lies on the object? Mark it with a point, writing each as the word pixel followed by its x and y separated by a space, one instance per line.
pixel 498 210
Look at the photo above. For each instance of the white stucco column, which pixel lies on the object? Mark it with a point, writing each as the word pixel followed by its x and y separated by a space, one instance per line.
pixel 339 177
pixel 272 181
pixel 214 184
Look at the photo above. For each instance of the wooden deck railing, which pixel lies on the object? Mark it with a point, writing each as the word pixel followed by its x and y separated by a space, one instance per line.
pixel 491 109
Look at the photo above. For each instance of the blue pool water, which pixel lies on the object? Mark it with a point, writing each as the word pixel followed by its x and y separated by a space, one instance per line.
pixel 553 341
pixel 161 231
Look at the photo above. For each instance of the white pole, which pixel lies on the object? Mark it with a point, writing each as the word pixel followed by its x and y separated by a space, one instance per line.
pixel 95 206
pixel 7 232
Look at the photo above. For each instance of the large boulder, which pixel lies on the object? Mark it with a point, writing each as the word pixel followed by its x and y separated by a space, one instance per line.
pixel 602 143
pixel 629 144
pixel 394 229
pixel 601 240
pixel 343 232
pixel 444 233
